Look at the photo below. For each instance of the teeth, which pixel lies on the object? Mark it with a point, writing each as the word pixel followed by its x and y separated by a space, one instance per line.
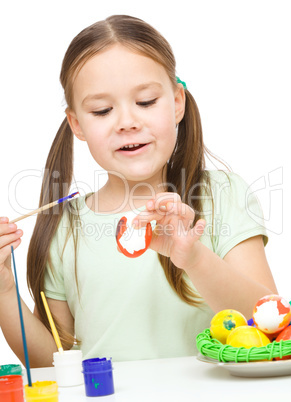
pixel 131 146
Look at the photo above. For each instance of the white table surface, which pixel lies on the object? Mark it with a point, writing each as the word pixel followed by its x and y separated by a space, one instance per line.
pixel 179 379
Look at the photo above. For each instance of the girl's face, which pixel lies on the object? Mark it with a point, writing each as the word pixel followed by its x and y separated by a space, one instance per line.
pixel 126 109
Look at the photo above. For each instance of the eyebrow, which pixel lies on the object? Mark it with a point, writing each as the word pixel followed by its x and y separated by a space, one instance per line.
pixel 140 87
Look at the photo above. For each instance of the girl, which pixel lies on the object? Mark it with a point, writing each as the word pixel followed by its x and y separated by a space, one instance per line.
pixel 142 126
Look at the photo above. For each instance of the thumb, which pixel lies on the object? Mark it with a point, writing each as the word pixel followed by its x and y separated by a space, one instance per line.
pixel 198 229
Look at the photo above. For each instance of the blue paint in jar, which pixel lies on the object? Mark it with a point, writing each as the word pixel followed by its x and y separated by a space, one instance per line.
pixel 98 376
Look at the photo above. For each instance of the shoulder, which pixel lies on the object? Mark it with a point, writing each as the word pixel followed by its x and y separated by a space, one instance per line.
pixel 232 194
pixel 222 176
pixel 72 211
pixel 78 203
pixel 236 213
pixel 234 198
pixel 227 183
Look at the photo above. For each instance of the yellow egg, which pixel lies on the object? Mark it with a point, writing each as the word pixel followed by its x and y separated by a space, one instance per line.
pixel 224 322
pixel 247 337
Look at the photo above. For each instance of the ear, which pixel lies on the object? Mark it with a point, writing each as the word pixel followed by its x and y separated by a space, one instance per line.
pixel 180 100
pixel 74 124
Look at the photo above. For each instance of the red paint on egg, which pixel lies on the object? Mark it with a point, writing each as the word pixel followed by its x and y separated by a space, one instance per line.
pixel 121 229
pixel 269 323
pixel 284 335
pixel 283 309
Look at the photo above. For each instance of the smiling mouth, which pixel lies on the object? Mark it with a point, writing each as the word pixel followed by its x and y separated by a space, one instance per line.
pixel 132 147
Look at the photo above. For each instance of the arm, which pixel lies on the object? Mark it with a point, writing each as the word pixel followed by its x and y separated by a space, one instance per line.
pixel 40 342
pixel 237 281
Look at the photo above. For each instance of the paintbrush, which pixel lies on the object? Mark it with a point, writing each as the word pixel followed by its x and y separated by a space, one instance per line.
pixel 21 323
pixel 43 208
pixel 52 324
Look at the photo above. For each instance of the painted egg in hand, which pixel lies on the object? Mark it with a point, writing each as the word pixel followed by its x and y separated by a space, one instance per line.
pixel 132 242
pixel 272 314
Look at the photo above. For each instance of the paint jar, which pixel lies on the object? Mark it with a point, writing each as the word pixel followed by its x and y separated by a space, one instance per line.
pixel 44 391
pixel 10 369
pixel 11 388
pixel 68 367
pixel 98 377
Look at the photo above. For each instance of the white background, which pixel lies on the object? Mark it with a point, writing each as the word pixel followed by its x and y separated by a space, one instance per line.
pixel 235 59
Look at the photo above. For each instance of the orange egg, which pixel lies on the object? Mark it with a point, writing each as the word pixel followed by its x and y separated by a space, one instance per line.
pixel 284 335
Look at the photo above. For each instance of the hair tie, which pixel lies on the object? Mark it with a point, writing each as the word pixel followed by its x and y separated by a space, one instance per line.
pixel 181 82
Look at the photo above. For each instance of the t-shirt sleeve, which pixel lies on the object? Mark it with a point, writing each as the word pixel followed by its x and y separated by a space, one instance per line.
pixel 237 215
pixel 54 287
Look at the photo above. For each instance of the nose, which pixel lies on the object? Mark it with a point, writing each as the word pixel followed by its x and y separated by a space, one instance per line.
pixel 127 121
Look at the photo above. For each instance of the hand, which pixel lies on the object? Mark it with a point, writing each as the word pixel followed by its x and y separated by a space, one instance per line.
pixel 9 236
pixel 174 235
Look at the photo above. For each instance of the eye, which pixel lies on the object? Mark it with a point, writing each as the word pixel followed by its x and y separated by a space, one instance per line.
pixel 103 112
pixel 147 103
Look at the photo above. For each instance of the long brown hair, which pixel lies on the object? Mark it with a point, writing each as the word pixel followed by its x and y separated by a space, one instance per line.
pixel 188 156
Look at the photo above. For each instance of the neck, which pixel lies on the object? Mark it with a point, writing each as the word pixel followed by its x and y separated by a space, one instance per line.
pixel 120 195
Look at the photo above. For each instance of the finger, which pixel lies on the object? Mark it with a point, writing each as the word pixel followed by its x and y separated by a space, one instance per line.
pixel 6 228
pixel 183 211
pixel 7 239
pixel 161 200
pixel 181 218
pixel 144 218
pixel 6 251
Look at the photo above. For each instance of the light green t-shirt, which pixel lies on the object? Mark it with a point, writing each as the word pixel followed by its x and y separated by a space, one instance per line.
pixel 126 308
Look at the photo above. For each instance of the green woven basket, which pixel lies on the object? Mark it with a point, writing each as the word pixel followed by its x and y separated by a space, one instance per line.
pixel 214 349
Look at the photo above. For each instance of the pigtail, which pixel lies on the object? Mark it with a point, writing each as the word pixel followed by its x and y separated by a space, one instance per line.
pixel 186 175
pixel 56 183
